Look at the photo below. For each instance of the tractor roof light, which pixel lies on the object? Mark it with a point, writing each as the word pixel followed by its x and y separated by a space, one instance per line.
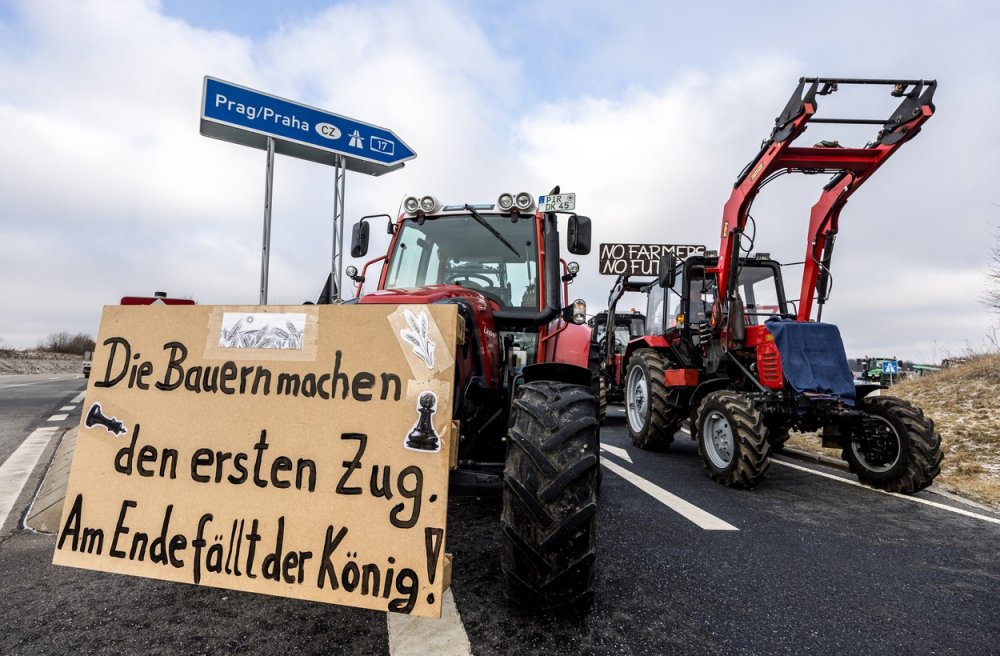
pixel 711 254
pixel 429 204
pixel 411 205
pixel 763 256
pixel 579 311
pixel 505 202
pixel 524 201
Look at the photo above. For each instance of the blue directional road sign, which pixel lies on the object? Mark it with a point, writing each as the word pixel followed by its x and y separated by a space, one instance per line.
pixel 890 367
pixel 247 117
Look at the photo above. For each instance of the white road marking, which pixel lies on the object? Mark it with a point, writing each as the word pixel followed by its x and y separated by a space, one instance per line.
pixel 689 511
pixel 37 382
pixel 617 451
pixel 57 417
pixel 79 397
pixel 906 497
pixel 418 636
pixel 15 470
pixel 67 408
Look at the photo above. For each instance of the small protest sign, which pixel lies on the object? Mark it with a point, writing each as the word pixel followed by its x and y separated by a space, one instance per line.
pixel 299 451
pixel 641 259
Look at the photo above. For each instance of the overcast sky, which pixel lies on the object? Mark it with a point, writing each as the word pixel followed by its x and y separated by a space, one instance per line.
pixel 647 110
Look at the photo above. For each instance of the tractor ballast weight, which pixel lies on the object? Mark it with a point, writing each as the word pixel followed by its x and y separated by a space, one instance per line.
pixel 727 353
pixel 526 377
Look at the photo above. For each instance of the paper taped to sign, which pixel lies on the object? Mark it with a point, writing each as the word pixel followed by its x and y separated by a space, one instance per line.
pixel 323 479
pixel 262 330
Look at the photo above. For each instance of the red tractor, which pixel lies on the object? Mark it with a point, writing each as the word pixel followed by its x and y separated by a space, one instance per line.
pixel 731 353
pixel 525 387
pixel 611 343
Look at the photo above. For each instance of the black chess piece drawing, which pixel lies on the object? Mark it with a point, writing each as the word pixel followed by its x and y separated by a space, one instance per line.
pixel 423 437
pixel 95 417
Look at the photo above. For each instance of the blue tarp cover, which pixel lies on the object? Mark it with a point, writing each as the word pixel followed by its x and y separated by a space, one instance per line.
pixel 813 358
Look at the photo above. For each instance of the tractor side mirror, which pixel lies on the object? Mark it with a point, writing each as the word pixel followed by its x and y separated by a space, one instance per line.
pixel 668 270
pixel 359 239
pixel 578 235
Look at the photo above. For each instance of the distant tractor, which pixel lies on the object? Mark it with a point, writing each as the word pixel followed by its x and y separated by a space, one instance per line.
pixel 611 345
pixel 525 393
pixel 729 352
pixel 884 371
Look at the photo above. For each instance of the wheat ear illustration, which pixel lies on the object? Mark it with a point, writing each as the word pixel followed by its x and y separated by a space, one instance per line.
pixel 416 335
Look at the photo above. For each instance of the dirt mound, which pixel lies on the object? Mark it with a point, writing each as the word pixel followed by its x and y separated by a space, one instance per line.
pixel 39 362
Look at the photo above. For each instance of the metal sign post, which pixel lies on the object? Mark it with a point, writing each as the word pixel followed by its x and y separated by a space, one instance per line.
pixel 265 255
pixel 251 118
pixel 336 265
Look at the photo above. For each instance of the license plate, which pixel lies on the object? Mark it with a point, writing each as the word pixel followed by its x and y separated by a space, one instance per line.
pixel 560 203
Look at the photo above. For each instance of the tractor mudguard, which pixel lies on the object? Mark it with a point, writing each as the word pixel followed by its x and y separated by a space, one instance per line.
pixel 656 342
pixel 570 344
pixel 863 390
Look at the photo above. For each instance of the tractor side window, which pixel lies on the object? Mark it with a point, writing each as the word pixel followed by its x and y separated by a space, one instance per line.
pixel 759 288
pixel 405 270
pixel 701 296
pixel 654 311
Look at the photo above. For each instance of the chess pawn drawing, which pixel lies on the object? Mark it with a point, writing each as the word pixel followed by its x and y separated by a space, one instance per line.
pixel 423 437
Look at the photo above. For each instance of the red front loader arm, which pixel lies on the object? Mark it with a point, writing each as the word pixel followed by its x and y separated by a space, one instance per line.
pixel 851 168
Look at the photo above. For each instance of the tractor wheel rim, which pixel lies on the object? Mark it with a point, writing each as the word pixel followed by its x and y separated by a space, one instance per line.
pixel 718 439
pixel 889 433
pixel 637 400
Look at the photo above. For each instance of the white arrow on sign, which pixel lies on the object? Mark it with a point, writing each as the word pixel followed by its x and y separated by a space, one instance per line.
pixel 617 451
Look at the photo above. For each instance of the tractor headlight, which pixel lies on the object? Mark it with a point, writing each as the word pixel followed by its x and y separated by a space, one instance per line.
pixel 524 201
pixel 572 268
pixel 505 202
pixel 411 205
pixel 579 311
pixel 351 271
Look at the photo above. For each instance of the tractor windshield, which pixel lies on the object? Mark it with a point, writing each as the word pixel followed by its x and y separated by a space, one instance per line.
pixel 457 250
pixel 759 289
pixel 693 296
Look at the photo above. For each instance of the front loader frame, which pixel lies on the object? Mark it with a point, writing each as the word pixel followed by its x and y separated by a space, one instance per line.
pixel 850 167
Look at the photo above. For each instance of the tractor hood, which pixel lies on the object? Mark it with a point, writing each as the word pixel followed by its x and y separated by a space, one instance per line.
pixel 428 294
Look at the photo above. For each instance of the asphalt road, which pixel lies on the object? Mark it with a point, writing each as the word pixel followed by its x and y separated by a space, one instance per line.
pixel 809 565
pixel 27 402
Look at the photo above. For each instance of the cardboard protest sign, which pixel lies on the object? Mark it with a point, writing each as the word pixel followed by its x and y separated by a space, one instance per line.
pixel 300 451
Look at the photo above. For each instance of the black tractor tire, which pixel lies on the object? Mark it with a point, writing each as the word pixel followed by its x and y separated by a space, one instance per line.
pixel 917 444
pixel 732 439
pixel 651 411
pixel 777 438
pixel 602 402
pixel 596 378
pixel 550 498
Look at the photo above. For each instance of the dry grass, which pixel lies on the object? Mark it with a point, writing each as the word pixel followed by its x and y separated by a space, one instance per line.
pixel 964 403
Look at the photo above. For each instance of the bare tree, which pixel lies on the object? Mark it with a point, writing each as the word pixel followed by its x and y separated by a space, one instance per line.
pixel 63 342
pixel 992 296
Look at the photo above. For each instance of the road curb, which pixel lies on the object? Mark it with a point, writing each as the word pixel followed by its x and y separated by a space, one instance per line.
pixel 46 508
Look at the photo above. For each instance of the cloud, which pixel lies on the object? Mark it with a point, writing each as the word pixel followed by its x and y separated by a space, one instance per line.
pixel 111 191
